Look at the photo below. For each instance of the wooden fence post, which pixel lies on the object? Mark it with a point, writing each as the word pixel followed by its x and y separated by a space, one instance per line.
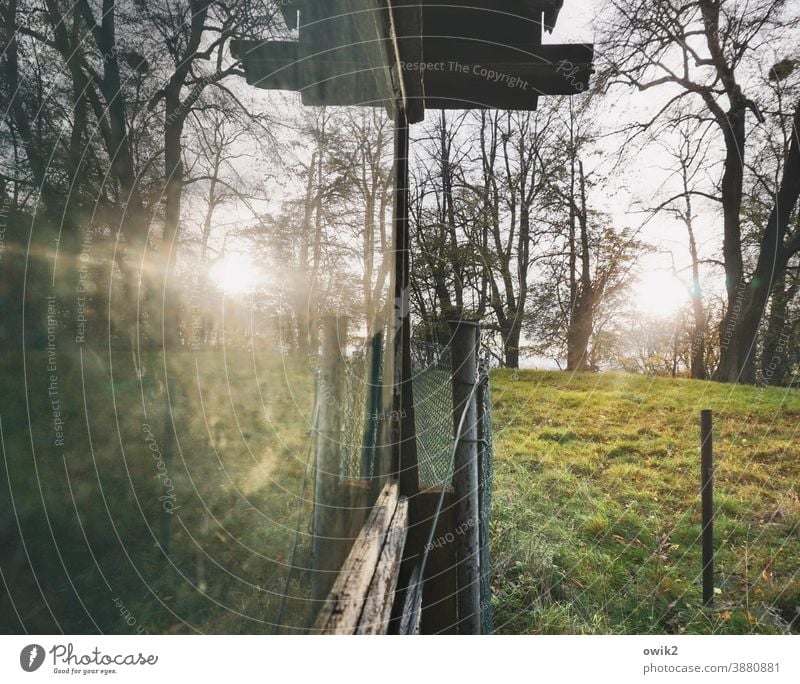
pixel 464 356
pixel 405 464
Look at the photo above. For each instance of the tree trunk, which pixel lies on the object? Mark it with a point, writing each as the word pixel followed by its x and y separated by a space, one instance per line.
pixel 579 334
pixel 581 321
pixel 173 153
pixel 698 360
pixel 698 355
pixel 747 300
pixel 511 337
pixel 740 330
pixel 775 357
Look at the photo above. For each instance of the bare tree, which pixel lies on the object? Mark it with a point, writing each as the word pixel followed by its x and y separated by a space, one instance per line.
pixel 589 263
pixel 440 213
pixel 477 196
pixel 689 149
pixel 362 157
pixel 698 52
pixel 514 177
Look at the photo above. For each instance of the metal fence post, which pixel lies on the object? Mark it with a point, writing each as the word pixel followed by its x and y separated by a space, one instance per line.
pixel 485 466
pixel 404 439
pixel 367 465
pixel 707 506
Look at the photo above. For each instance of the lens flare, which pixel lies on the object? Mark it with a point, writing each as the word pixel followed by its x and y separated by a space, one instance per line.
pixel 659 293
pixel 236 274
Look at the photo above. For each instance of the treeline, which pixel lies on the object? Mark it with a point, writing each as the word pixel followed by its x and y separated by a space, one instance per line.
pixel 100 103
pixel 506 231
pixel 134 157
pixel 704 100
pixel 128 134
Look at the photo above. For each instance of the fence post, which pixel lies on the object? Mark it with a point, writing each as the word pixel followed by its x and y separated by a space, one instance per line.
pixel 405 463
pixel 367 467
pixel 707 506
pixel 485 464
pixel 465 475
pixel 325 555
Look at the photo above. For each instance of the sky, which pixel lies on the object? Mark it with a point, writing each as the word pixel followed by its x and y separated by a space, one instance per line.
pixel 642 184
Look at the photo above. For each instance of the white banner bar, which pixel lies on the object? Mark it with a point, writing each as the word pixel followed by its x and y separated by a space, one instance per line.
pixel 352 660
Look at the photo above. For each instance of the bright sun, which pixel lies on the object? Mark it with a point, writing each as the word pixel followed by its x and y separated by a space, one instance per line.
pixel 658 293
pixel 235 274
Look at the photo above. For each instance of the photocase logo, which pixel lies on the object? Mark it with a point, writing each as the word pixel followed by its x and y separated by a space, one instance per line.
pixel 31 658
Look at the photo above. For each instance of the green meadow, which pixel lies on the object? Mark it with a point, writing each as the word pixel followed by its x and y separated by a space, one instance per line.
pixel 166 498
pixel 171 503
pixel 596 512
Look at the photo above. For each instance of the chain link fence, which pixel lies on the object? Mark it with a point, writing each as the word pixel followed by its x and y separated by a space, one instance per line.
pixel 432 388
pixel 433 411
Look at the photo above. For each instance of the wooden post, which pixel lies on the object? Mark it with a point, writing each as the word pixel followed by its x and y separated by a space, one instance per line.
pixel 482 400
pixel 404 438
pixel 465 476
pixel 707 496
pixel 325 556
pixel 341 610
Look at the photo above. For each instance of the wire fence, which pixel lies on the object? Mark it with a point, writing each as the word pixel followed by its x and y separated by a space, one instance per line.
pixel 432 385
pixel 361 411
pixel 432 389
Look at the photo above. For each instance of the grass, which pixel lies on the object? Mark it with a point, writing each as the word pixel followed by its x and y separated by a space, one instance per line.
pixel 595 523
pixel 88 546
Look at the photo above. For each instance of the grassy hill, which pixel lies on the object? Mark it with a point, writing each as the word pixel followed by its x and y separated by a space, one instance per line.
pixel 89 516
pixel 597 502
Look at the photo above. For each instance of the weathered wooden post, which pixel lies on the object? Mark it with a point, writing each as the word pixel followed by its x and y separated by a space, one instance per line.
pixel 464 356
pixel 325 554
pixel 707 506
pixel 404 437
pixel 484 487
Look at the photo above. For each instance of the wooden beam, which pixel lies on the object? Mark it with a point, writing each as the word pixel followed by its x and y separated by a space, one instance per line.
pixel 342 609
pixel 405 459
pixel 380 598
pixel 406 38
pixel 412 606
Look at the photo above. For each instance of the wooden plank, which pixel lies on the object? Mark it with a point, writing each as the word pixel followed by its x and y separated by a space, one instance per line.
pixel 378 605
pixel 410 619
pixel 342 608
